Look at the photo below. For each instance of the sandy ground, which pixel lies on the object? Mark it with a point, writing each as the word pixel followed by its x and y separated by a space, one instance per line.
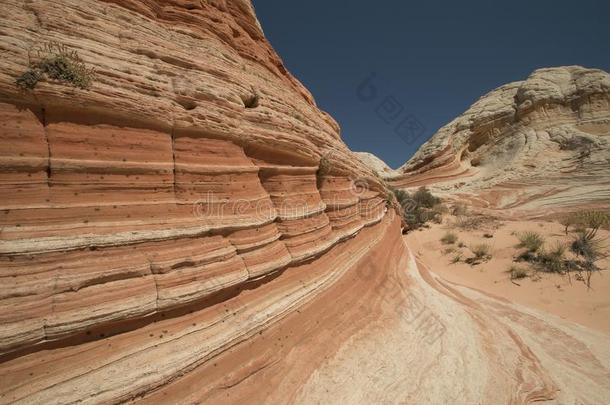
pixel 563 296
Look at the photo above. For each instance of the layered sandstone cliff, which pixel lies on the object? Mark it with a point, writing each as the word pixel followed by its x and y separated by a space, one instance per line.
pixel 161 188
pixel 525 148
pixel 192 229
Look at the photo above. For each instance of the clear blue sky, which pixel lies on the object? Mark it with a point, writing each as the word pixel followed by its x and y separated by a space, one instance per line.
pixel 434 57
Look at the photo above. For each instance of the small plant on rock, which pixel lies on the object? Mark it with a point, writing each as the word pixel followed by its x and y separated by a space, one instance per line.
pixel 56 62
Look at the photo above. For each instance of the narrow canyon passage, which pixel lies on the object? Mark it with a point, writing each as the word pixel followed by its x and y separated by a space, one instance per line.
pixel 380 336
pixel 381 328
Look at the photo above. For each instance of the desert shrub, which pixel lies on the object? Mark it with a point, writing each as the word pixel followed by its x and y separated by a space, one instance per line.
pixel 438 211
pixel 402 196
pixel 457 258
pixel 532 241
pixel 57 62
pixel 587 223
pixel 424 198
pixel 553 260
pixel 481 251
pixel 589 249
pixel 517 273
pixel 470 223
pixel 416 217
pixel 413 212
pixel 449 238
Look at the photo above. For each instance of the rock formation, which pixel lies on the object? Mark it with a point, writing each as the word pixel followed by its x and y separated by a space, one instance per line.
pixel 192 229
pixel 377 165
pixel 527 148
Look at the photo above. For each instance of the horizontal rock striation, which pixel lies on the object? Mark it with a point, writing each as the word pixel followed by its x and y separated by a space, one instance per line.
pixel 192 229
pixel 163 185
pixel 526 148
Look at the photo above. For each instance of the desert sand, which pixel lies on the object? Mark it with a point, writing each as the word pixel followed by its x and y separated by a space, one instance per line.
pixel 562 295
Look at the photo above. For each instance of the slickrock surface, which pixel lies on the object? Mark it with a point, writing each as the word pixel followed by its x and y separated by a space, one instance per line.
pixel 527 148
pixel 166 236
pixel 162 187
pixel 378 165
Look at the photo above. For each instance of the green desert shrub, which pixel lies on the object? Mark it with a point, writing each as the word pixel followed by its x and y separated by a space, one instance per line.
pixel 589 249
pixel 449 238
pixel 57 62
pixel 553 260
pixel 402 196
pixel 424 198
pixel 413 212
pixel 532 241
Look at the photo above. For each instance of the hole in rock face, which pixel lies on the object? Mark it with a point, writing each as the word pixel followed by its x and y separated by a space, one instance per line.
pixel 187 104
pixel 251 100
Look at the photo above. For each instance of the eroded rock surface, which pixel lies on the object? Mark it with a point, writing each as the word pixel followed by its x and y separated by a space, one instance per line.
pixel 187 169
pixel 167 235
pixel 526 148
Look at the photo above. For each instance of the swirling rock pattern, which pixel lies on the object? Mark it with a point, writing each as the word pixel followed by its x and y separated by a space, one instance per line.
pixel 161 186
pixel 163 238
pixel 525 148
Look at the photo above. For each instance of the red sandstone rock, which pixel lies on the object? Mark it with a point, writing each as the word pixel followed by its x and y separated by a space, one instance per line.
pixel 162 242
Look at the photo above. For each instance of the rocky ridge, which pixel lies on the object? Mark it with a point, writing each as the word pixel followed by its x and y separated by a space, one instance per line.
pixel 526 148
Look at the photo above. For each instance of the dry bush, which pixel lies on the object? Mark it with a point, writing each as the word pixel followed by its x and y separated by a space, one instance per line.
pixel 517 273
pixel 587 223
pixel 481 251
pixel 470 223
pixel 449 238
pixel 532 241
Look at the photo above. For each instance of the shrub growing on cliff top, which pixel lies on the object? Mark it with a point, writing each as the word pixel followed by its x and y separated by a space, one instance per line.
pixel 56 62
